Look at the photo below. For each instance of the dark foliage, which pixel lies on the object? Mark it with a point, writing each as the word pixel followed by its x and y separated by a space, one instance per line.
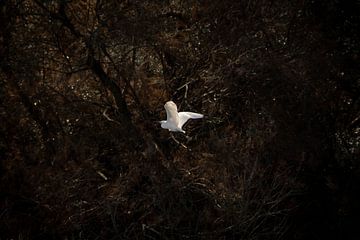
pixel 83 84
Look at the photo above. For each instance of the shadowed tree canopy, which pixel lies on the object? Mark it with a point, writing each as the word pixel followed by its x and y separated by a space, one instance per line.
pixel 82 88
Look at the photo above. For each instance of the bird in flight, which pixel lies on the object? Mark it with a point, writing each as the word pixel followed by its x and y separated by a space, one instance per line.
pixel 174 119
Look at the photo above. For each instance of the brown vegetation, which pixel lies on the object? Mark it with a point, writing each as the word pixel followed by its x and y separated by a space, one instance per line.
pixel 82 86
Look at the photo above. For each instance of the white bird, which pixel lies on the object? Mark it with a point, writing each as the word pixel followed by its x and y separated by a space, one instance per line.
pixel 174 120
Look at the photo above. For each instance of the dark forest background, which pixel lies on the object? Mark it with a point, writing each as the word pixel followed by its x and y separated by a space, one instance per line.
pixel 83 84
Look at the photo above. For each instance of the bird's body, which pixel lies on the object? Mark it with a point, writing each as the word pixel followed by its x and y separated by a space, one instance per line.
pixel 175 120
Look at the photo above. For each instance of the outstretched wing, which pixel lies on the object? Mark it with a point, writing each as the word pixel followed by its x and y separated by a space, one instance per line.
pixel 184 116
pixel 172 115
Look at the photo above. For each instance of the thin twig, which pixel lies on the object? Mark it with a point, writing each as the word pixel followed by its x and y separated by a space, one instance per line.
pixel 108 118
pixel 179 143
pixel 355 120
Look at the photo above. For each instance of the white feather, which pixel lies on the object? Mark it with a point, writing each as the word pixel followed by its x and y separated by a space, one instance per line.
pixel 185 116
pixel 174 120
